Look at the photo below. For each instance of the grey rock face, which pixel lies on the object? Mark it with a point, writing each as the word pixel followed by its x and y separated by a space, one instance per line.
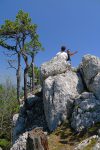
pixel 90 69
pixel 31 100
pixel 94 86
pixel 19 123
pixel 86 111
pixel 56 65
pixel 90 66
pixel 58 94
pixel 30 117
pixel 21 143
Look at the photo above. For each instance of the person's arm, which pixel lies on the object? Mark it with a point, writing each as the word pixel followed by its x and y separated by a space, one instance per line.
pixel 57 53
pixel 71 54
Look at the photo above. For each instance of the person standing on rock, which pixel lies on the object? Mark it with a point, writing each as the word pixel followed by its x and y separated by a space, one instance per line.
pixel 69 53
pixel 66 54
pixel 63 53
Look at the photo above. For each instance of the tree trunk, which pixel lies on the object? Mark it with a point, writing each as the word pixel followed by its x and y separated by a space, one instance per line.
pixel 25 78
pixel 33 74
pixel 18 78
pixel 25 83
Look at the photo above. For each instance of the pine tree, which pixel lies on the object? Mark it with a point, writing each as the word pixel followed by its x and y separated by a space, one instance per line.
pixel 20 36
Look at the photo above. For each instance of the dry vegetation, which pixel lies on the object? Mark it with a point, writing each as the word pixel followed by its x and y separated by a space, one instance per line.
pixel 64 138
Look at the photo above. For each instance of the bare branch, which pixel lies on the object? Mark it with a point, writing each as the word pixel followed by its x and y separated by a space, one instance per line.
pixel 11 65
pixel 5 45
pixel 9 55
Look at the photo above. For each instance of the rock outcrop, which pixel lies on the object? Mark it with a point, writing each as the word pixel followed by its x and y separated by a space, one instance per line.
pixel 64 97
pixel 59 91
pixel 90 69
pixel 86 111
pixel 56 65
pixel 62 86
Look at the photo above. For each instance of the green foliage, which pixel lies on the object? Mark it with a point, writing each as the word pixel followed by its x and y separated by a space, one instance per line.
pixel 1 88
pixel 20 37
pixel 8 106
pixel 20 30
pixel 4 144
pixel 36 72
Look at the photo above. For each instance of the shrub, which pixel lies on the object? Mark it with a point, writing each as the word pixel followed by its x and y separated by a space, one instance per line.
pixel 8 106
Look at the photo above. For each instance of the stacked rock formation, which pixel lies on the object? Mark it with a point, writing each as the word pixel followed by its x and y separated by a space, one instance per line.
pixel 68 94
pixel 71 94
pixel 59 90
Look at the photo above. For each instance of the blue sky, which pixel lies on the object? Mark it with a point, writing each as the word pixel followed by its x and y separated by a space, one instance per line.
pixel 73 23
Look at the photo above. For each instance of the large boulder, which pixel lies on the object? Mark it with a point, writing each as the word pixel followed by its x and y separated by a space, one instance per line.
pixel 94 86
pixel 90 66
pixel 90 70
pixel 55 66
pixel 86 111
pixel 58 94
